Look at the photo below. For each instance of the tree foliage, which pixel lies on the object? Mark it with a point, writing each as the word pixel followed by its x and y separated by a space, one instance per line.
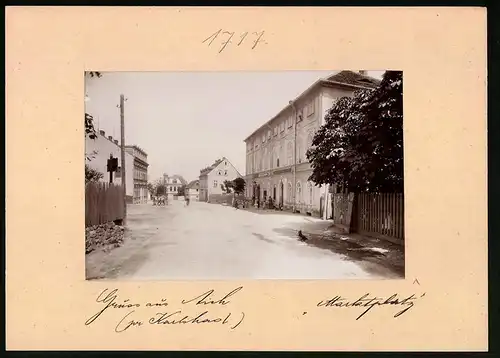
pixel 182 190
pixel 227 186
pixel 160 189
pixel 89 120
pixel 92 175
pixel 239 185
pixel 360 146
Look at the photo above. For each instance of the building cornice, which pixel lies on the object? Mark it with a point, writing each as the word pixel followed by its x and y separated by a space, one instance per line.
pixel 141 161
pixel 316 85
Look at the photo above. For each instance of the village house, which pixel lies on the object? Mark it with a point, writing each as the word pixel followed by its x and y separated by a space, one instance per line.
pixel 193 190
pixel 97 153
pixel 212 178
pixel 276 163
pixel 173 184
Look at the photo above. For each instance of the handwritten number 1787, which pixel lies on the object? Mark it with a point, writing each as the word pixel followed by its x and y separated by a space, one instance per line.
pixel 258 38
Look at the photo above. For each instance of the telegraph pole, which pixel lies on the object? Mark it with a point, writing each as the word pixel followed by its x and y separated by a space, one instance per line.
pixel 124 181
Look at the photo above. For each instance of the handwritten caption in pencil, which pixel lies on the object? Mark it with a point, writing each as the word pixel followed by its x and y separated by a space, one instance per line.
pixel 164 313
pixel 221 39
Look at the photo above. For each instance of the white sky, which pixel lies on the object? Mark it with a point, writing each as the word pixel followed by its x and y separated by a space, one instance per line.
pixel 186 120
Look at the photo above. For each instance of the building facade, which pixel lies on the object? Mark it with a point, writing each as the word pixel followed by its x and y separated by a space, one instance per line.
pixel 173 184
pixel 212 177
pixel 276 163
pixel 193 190
pixel 97 152
pixel 140 170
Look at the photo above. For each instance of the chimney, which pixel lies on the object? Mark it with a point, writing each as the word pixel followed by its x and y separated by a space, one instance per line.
pixel 102 133
pixel 110 138
pixel 362 72
pixel 116 141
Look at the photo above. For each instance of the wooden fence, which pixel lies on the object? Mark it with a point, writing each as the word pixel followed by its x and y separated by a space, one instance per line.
pixel 380 215
pixel 374 214
pixel 342 210
pixel 103 203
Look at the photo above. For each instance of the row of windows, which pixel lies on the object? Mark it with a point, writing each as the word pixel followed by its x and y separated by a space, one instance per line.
pixel 270 159
pixel 284 125
pixel 300 196
pixel 140 175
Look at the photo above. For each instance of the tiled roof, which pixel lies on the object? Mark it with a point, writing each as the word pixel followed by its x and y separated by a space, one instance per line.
pixel 193 183
pixel 180 178
pixel 347 78
pixel 211 167
pixel 175 176
pixel 354 78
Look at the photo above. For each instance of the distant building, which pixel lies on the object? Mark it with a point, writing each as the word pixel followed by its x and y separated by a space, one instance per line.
pixel 276 150
pixel 97 152
pixel 193 190
pixel 213 176
pixel 140 165
pixel 173 184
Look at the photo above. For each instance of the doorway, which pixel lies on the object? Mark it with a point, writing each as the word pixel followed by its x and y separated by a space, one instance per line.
pixel 274 194
pixel 282 193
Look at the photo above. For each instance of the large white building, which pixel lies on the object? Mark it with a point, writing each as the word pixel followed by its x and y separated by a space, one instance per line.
pixel 213 176
pixel 140 173
pixel 97 152
pixel 276 163
pixel 173 183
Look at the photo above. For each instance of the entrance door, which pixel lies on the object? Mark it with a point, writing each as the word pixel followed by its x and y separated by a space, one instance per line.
pixel 282 189
pixel 274 194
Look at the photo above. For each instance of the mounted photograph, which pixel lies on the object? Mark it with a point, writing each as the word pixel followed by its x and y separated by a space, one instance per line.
pixel 244 175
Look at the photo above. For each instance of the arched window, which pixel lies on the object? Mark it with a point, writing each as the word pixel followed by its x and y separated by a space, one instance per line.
pixel 309 140
pixel 271 157
pixel 289 153
pixel 298 198
pixel 264 160
pixel 282 153
pixel 310 189
pixel 276 159
pixel 300 149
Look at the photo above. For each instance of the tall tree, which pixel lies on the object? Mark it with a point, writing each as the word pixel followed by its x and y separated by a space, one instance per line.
pixel 161 189
pixel 89 120
pixel 227 186
pixel 239 185
pixel 360 146
pixel 92 175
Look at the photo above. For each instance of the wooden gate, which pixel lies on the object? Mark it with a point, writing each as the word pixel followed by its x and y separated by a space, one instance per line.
pixel 342 210
pixel 381 214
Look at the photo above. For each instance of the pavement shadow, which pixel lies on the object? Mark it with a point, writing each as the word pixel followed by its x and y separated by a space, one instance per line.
pixel 391 261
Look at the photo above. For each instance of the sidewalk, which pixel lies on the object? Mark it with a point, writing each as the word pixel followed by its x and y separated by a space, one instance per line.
pixel 376 253
pixel 325 235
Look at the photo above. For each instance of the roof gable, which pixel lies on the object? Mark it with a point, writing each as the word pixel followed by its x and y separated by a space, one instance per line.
pixel 354 78
pixel 221 163
pixel 193 183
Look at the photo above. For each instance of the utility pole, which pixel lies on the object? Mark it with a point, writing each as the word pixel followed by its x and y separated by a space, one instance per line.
pixel 124 181
pixel 294 186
